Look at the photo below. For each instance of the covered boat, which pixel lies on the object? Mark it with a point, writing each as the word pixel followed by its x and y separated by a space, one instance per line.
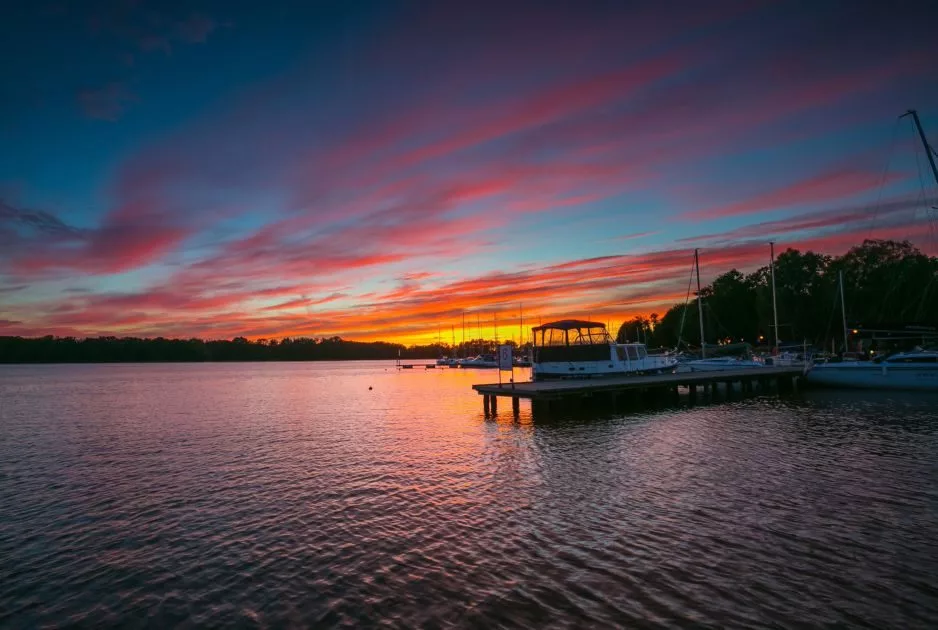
pixel 574 348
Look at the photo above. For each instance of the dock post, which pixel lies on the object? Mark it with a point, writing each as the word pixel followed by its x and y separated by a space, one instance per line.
pixel 692 393
pixel 494 405
pixel 515 406
pixel 485 404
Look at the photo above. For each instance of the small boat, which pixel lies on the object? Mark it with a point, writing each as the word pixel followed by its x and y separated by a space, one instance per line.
pixel 913 370
pixel 719 364
pixel 521 362
pixel 785 359
pixel 573 348
pixel 480 361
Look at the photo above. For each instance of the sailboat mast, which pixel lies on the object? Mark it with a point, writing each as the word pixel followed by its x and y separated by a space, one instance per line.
pixel 464 333
pixel 843 309
pixel 520 324
pixel 774 308
pixel 703 345
pixel 921 135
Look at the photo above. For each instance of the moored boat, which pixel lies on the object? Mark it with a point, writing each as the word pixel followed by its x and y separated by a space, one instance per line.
pixel 914 370
pixel 481 361
pixel 720 364
pixel 911 370
pixel 573 348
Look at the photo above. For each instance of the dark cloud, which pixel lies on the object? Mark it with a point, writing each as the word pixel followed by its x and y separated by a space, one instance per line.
pixel 34 220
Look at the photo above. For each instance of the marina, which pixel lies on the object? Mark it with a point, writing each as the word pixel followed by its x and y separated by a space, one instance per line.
pixel 687 257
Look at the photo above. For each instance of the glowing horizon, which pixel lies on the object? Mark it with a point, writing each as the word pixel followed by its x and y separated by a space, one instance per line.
pixel 368 173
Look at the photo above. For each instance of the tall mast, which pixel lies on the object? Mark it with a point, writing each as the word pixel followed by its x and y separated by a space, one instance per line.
pixel 453 330
pixel 520 324
pixel 495 326
pixel 774 309
pixel 703 345
pixel 843 309
pixel 464 332
pixel 921 135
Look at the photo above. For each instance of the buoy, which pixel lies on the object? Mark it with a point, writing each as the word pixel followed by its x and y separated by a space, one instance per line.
pixel 369 389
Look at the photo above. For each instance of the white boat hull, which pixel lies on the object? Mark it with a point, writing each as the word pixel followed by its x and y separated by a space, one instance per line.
pixel 705 365
pixel 598 369
pixel 868 375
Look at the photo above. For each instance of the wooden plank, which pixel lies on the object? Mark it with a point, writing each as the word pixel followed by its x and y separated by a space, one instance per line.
pixel 579 387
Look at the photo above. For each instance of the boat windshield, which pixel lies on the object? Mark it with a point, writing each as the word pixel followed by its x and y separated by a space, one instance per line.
pixel 571 333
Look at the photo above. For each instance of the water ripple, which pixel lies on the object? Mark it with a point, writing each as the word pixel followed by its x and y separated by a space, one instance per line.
pixel 292 495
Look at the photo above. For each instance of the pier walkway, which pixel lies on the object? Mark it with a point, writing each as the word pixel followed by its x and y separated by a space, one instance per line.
pixel 783 377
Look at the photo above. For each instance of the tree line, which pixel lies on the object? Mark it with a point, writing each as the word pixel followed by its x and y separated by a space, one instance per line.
pixel 132 349
pixel 887 285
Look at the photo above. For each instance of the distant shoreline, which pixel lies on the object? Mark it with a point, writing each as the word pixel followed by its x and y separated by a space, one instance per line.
pixel 68 350
pixel 183 362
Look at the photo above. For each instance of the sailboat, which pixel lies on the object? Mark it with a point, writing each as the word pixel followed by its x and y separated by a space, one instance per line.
pixel 912 370
pixel 712 364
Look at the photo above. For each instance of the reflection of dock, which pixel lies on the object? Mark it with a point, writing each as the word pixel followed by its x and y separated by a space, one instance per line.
pixel 783 378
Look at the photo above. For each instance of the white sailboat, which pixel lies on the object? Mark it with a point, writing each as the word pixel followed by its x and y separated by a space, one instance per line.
pixel 712 364
pixel 913 370
pixel 480 361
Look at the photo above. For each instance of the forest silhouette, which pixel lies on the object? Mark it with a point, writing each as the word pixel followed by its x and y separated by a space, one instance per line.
pixel 887 284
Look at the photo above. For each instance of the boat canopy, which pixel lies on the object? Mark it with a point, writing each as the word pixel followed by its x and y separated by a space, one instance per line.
pixel 571 332
pixel 569 324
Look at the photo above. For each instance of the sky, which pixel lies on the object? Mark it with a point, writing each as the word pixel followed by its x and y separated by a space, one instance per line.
pixel 387 170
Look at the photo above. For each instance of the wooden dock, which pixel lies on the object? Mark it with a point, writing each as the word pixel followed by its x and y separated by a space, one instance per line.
pixel 747 378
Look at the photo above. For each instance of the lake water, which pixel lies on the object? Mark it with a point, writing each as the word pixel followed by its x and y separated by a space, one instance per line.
pixel 276 495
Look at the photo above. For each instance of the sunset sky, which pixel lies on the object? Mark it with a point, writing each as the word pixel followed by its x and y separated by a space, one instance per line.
pixel 375 170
